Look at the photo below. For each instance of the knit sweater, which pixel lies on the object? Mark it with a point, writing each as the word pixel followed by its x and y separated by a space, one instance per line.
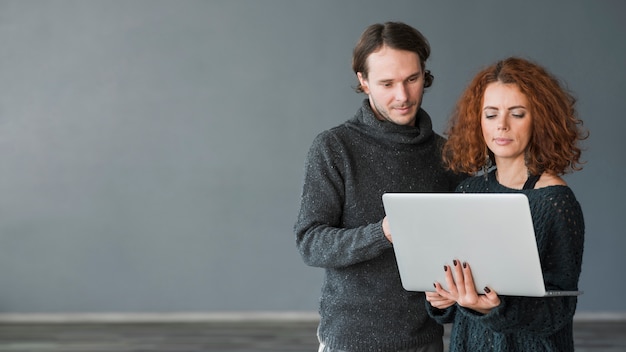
pixel 363 306
pixel 528 323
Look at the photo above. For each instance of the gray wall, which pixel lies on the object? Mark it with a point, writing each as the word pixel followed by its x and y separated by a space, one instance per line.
pixel 151 152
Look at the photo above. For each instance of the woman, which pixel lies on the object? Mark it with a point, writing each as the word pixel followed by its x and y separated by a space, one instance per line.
pixel 516 116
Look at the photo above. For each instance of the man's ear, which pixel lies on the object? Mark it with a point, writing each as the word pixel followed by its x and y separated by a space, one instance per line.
pixel 364 83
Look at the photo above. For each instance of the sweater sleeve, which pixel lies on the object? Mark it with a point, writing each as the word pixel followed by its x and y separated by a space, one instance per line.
pixel 320 238
pixel 442 316
pixel 559 228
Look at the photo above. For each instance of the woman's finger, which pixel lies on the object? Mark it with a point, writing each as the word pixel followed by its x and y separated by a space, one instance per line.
pixel 458 277
pixel 450 281
pixel 492 297
pixel 468 278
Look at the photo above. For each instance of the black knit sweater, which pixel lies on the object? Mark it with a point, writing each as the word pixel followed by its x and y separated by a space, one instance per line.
pixel 363 306
pixel 529 324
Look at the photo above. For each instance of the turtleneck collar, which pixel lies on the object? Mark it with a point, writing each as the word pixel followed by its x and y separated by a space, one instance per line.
pixel 366 122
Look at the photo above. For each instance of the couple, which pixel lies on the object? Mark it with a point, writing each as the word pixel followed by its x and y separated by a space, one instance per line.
pixel 516 124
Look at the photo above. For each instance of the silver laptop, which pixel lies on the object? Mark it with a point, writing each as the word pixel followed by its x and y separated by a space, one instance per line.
pixel 493 232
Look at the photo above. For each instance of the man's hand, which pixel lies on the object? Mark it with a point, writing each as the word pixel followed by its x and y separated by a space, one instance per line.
pixel 386 230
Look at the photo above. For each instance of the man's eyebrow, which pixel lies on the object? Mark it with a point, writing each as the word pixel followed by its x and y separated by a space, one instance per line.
pixel 415 74
pixel 388 80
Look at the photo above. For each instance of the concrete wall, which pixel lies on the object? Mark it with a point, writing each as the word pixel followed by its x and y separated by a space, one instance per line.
pixel 151 152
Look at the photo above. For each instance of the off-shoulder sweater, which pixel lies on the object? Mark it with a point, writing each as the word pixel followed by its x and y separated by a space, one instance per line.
pixel 528 323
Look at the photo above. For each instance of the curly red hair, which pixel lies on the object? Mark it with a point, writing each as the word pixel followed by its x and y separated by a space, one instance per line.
pixel 553 146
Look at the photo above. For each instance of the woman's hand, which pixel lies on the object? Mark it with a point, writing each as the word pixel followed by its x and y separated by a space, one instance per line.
pixel 462 290
pixel 438 301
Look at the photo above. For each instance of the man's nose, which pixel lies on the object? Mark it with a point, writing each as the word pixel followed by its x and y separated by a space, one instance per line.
pixel 401 92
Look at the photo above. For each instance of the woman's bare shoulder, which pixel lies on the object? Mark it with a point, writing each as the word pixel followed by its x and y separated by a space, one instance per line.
pixel 548 179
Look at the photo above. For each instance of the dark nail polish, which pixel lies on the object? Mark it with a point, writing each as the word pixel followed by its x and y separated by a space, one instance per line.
pixel 454 262
pixel 445 268
pixel 434 285
pixel 464 265
pixel 487 290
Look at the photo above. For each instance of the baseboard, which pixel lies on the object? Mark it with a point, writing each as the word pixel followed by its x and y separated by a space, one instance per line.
pixel 198 317
pixel 184 317
pixel 600 316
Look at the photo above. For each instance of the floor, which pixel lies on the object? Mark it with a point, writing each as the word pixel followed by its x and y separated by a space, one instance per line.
pixel 227 336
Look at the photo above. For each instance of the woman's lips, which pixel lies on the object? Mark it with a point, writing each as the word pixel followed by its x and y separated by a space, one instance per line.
pixel 502 141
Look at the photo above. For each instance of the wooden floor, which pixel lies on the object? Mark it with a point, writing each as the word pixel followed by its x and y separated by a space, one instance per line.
pixel 227 336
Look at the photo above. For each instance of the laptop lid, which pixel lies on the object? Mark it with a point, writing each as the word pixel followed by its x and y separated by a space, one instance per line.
pixel 493 232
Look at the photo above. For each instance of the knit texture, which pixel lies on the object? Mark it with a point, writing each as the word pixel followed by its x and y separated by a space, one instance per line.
pixel 363 306
pixel 528 323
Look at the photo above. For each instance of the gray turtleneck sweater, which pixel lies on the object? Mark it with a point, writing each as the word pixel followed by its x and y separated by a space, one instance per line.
pixel 363 306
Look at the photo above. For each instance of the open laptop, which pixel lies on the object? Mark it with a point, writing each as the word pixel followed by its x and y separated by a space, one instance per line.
pixel 493 232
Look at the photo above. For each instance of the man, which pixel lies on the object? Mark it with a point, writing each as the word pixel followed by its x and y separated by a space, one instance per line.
pixel 388 146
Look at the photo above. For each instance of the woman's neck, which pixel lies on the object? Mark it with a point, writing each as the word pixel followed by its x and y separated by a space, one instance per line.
pixel 512 175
